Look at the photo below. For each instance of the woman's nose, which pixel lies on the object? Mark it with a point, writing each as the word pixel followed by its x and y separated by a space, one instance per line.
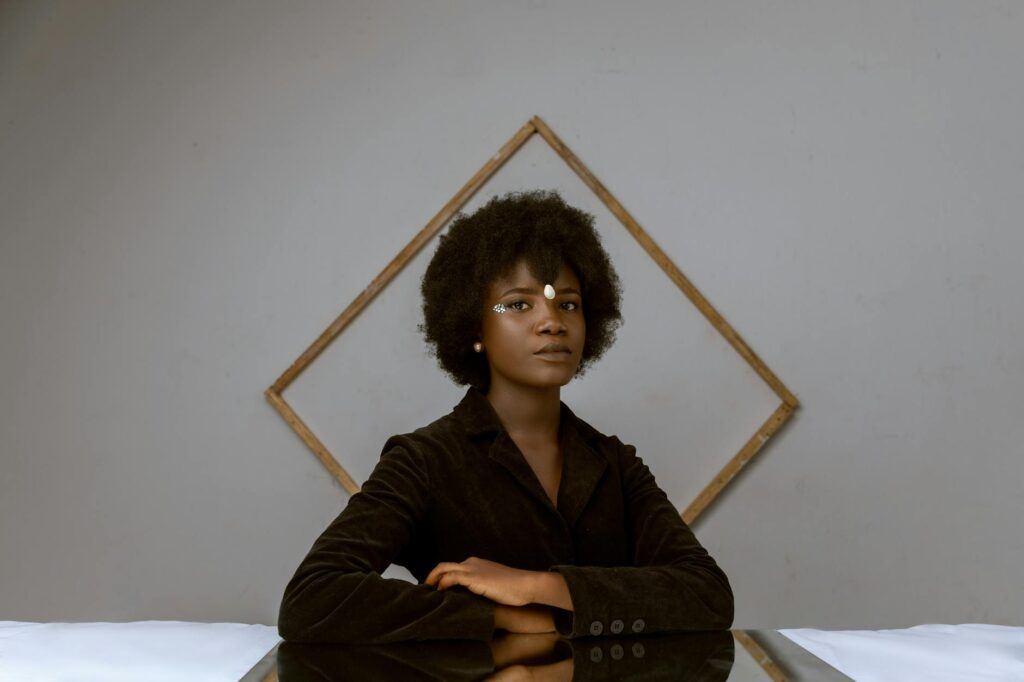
pixel 550 321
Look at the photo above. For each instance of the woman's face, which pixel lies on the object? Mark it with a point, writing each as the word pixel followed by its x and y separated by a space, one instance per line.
pixel 537 342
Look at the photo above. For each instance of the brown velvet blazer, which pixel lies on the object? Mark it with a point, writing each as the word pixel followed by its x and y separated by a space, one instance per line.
pixel 460 487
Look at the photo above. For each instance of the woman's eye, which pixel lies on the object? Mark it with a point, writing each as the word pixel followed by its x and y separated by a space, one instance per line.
pixel 519 305
pixel 570 305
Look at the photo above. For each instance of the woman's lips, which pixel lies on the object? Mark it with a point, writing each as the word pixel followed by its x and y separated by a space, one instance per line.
pixel 554 348
pixel 556 352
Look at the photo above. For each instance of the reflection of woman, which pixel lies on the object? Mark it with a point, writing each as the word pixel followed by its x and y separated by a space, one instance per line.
pixel 512 512
pixel 704 656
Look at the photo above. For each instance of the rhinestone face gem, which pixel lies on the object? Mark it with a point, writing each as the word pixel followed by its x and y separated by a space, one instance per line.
pixel 500 308
pixel 549 292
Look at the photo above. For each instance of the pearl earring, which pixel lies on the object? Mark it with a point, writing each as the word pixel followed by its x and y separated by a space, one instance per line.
pixel 478 347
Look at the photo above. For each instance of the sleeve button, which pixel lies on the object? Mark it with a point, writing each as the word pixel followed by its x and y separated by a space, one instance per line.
pixel 616 652
pixel 596 628
pixel 596 654
pixel 639 625
pixel 638 650
pixel 616 626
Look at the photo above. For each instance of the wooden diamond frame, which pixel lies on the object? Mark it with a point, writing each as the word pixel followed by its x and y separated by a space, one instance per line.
pixel 536 126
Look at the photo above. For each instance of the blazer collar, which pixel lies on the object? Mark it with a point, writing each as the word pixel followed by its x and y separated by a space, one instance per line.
pixel 582 465
pixel 476 415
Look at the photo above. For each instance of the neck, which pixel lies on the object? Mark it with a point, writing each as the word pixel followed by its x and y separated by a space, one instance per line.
pixel 525 412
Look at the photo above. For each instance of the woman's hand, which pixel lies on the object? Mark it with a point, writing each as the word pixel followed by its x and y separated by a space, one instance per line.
pixel 498 582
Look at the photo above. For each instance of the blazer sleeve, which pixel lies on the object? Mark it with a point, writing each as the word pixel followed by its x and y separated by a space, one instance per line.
pixel 337 594
pixel 673 585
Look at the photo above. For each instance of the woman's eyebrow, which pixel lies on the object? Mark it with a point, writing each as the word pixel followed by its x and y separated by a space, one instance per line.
pixel 520 290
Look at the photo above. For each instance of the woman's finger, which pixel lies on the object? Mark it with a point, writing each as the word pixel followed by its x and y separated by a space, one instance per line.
pixel 441 568
pixel 449 580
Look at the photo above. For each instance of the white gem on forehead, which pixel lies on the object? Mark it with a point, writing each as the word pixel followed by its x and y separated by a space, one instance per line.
pixel 549 292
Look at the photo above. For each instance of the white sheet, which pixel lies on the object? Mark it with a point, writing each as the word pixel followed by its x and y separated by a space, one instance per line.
pixel 147 650
pixel 937 653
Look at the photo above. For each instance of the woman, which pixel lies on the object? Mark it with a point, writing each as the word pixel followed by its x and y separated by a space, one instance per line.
pixel 513 513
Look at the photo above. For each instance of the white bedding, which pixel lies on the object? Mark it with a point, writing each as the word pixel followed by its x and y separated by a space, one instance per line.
pixel 146 650
pixel 937 653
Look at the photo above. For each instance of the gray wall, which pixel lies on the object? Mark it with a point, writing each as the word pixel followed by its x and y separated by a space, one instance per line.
pixel 191 191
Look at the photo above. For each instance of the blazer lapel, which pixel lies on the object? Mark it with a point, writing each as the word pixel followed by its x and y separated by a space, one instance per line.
pixel 582 470
pixel 582 466
pixel 482 422
pixel 505 452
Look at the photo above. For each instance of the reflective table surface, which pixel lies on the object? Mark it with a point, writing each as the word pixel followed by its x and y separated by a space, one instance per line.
pixel 739 656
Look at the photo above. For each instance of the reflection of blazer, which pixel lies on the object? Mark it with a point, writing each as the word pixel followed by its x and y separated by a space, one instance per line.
pixel 460 487
pixel 704 656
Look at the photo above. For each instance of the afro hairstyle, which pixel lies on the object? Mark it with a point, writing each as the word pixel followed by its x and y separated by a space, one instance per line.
pixel 537 227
